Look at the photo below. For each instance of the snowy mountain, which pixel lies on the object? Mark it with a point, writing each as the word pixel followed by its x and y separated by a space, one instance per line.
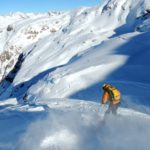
pixel 49 59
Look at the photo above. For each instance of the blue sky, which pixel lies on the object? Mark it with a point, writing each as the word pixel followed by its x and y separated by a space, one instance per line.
pixel 7 6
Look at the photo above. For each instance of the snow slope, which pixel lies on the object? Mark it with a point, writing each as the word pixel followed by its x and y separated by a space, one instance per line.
pixel 52 58
pixel 54 124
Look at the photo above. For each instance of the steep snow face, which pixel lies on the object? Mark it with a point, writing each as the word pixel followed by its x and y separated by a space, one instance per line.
pixel 21 33
pixel 144 22
pixel 120 61
pixel 123 12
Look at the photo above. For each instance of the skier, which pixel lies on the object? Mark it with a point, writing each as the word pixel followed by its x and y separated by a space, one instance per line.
pixel 112 94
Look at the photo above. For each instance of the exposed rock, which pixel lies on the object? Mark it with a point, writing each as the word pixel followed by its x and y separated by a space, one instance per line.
pixel 148 10
pixel 9 28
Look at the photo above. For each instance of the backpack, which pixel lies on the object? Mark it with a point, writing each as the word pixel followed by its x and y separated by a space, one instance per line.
pixel 114 93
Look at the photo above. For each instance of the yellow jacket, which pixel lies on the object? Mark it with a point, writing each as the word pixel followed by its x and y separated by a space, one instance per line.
pixel 107 97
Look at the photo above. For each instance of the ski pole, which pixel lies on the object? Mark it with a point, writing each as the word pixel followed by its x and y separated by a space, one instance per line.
pixel 99 107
